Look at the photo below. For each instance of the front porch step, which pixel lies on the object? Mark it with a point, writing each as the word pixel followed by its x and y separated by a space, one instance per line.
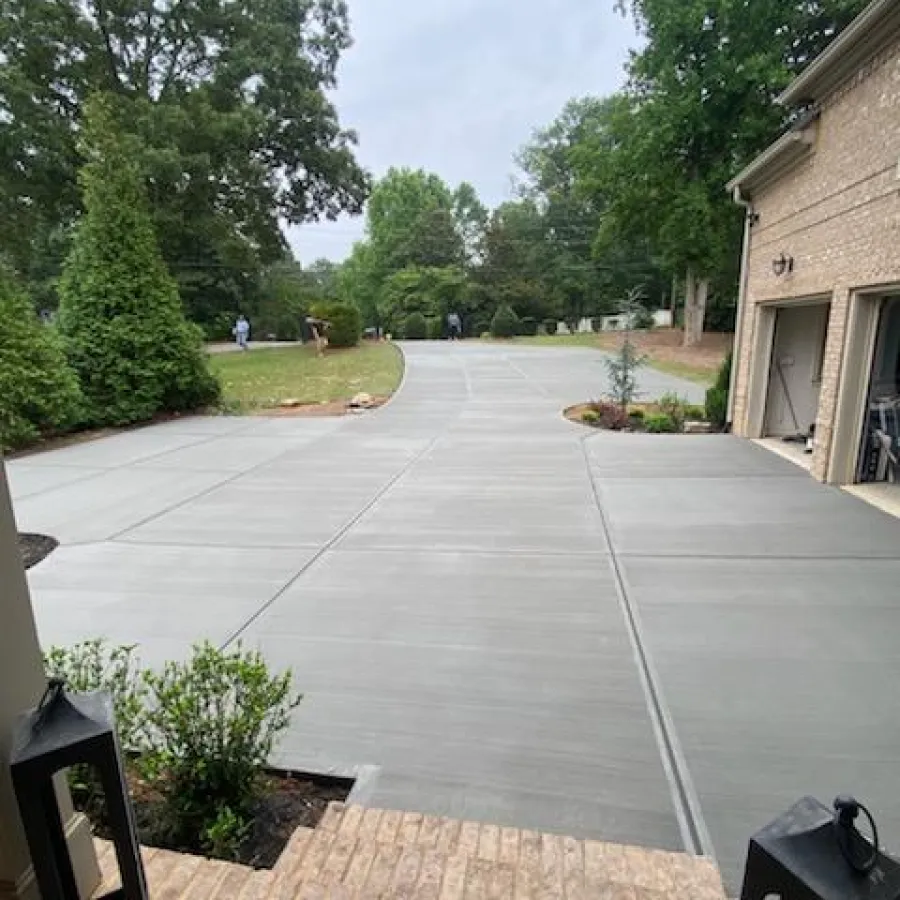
pixel 372 853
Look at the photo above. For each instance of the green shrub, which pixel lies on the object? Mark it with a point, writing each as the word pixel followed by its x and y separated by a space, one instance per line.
pixel 505 323
pixel 345 323
pixel 39 393
pixel 120 314
pixel 717 396
pixel 213 723
pixel 674 407
pixel 637 412
pixel 96 666
pixel 551 326
pixel 480 328
pixel 660 423
pixel 528 326
pixel 694 413
pixel 435 328
pixel 218 328
pixel 415 328
pixel 643 319
pixel 590 417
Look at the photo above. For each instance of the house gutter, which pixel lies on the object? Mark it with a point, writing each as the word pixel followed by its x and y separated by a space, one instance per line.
pixel 743 288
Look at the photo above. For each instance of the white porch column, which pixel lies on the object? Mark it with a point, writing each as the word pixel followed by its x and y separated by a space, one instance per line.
pixel 22 682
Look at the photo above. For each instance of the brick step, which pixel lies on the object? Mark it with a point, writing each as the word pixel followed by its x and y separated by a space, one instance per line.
pixel 361 852
pixel 179 876
pixel 371 853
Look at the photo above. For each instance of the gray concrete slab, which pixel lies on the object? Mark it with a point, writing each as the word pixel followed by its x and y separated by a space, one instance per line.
pixel 440 579
pixel 781 676
pixel 520 662
pixel 27 480
pixel 161 598
pixel 99 508
pixel 737 516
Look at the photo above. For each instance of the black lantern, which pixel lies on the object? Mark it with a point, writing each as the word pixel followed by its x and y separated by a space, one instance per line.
pixel 815 853
pixel 66 730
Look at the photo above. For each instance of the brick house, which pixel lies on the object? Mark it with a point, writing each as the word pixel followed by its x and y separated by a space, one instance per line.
pixel 817 344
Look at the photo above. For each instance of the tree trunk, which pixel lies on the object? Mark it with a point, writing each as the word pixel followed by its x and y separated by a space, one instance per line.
pixel 696 294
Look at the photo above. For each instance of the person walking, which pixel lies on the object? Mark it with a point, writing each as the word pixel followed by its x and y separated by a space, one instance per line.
pixel 241 332
pixel 454 326
pixel 317 330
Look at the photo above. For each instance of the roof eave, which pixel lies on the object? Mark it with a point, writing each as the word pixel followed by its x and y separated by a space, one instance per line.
pixel 771 164
pixel 871 30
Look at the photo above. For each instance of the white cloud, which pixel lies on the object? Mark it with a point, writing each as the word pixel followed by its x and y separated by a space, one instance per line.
pixel 457 86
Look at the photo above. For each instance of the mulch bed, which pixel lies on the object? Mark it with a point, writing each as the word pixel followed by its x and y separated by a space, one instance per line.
pixel 35 547
pixel 288 802
pixel 316 410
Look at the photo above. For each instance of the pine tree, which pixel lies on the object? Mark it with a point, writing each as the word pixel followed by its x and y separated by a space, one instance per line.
pixel 38 391
pixel 126 334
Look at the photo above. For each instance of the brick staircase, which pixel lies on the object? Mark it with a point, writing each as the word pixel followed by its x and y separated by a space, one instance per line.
pixel 372 853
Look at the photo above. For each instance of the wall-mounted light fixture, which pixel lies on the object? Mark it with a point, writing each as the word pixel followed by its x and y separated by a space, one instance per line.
pixel 784 265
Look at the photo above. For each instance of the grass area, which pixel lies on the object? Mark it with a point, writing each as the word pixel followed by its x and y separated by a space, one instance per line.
pixel 662 347
pixel 260 379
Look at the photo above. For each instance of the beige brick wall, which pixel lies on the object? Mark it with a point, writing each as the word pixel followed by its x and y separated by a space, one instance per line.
pixel 838 215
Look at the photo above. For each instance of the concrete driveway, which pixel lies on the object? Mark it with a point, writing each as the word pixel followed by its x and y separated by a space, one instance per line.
pixel 659 640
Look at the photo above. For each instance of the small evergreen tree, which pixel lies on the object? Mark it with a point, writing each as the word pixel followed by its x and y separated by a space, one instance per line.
pixel 505 323
pixel 120 314
pixel 415 328
pixel 38 390
pixel 622 368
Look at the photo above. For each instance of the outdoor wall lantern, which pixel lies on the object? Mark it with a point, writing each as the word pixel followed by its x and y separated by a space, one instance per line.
pixel 64 730
pixel 815 853
pixel 783 265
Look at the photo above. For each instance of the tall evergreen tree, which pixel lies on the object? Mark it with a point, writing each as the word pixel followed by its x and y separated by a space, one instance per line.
pixel 127 338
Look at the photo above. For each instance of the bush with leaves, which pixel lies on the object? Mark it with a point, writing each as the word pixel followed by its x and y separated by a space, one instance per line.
pixel 505 323
pixel 621 370
pixel 717 395
pixel 213 723
pixel 480 328
pixel 97 666
pixel 660 423
pixel 674 407
pixel 642 320
pixel 39 393
pixel 435 328
pixel 528 326
pixel 590 417
pixel 126 335
pixel 610 416
pixel 345 323
pixel 415 327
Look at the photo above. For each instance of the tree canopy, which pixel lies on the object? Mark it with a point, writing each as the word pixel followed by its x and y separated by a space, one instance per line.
pixel 228 102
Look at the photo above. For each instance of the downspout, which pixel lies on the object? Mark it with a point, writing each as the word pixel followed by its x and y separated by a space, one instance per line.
pixel 749 219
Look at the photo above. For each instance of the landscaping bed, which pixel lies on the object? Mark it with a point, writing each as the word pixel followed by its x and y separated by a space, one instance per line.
pixel 35 547
pixel 287 801
pixel 669 415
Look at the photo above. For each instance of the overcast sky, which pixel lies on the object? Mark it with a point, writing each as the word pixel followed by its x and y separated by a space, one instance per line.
pixel 457 86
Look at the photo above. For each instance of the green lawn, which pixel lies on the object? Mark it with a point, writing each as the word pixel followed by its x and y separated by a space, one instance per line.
pixel 260 379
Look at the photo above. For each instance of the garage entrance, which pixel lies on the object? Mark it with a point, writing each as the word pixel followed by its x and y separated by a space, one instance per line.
pixel 879 457
pixel 795 373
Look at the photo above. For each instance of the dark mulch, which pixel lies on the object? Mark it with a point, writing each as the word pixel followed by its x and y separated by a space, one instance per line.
pixel 35 547
pixel 287 802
